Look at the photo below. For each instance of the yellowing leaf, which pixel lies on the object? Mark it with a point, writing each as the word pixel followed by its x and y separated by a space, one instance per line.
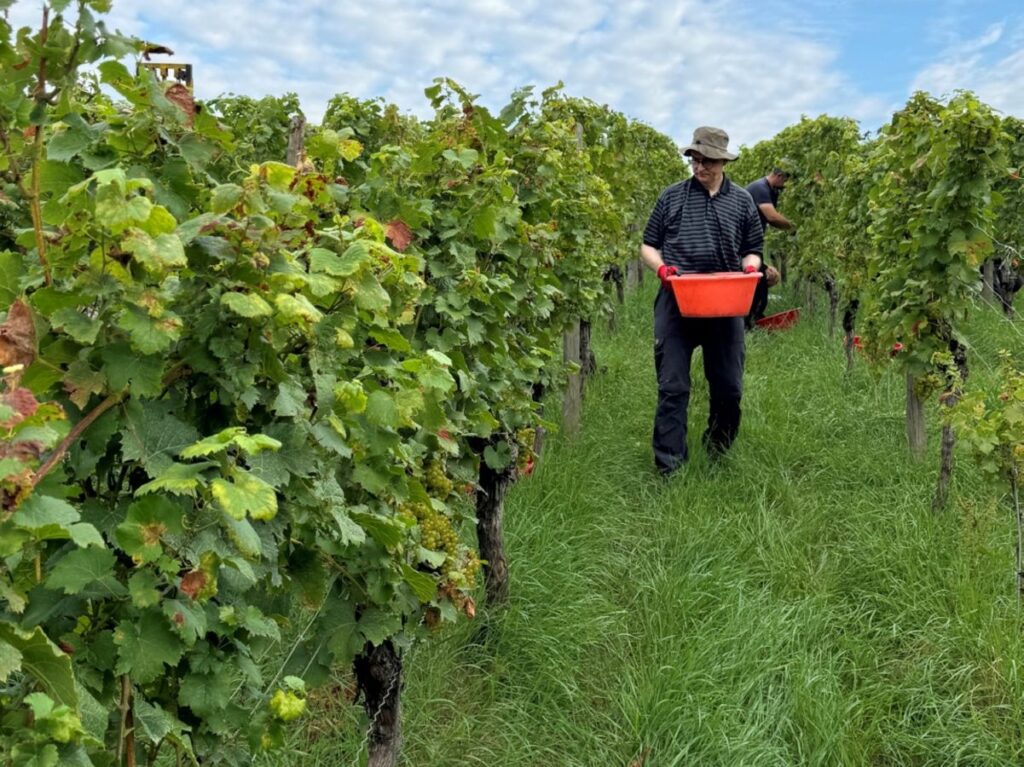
pixel 296 310
pixel 277 174
pixel 158 254
pixel 160 221
pixel 350 149
pixel 247 305
pixel 222 440
pixel 246 494
pixel 178 479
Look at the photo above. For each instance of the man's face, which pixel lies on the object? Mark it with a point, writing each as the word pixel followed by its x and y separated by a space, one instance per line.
pixel 706 171
pixel 779 180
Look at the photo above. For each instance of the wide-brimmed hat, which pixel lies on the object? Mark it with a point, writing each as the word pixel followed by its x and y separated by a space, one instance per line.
pixel 710 142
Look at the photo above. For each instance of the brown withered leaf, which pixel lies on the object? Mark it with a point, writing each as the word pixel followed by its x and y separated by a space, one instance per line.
pixel 14 487
pixel 18 336
pixel 82 382
pixel 399 233
pixel 22 402
pixel 193 582
pixel 181 97
pixel 24 450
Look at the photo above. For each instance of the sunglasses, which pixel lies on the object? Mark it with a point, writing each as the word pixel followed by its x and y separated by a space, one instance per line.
pixel 707 162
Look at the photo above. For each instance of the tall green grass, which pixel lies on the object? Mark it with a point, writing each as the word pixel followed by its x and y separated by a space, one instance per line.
pixel 796 604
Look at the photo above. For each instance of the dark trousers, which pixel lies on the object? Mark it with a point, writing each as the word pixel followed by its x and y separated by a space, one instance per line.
pixel 675 339
pixel 760 303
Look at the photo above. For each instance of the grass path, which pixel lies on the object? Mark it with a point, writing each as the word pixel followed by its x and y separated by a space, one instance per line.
pixel 797 605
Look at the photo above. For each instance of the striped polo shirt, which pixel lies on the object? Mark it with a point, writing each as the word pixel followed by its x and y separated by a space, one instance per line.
pixel 696 232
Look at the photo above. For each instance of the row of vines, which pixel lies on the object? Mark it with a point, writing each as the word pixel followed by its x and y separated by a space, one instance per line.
pixel 907 231
pixel 255 410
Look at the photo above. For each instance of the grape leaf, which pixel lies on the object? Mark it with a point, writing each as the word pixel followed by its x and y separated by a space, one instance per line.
pixel 143 588
pixel 145 646
pixel 10 660
pixel 43 513
pixel 152 435
pixel 149 520
pixel 123 367
pixel 11 270
pixel 378 625
pixel 83 567
pixel 225 197
pixel 177 479
pixel 44 661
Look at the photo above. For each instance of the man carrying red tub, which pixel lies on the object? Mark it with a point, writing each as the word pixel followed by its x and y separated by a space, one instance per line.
pixel 765 192
pixel 699 225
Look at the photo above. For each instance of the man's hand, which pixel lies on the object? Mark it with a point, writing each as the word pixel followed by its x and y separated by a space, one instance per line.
pixel 772 276
pixel 749 269
pixel 664 272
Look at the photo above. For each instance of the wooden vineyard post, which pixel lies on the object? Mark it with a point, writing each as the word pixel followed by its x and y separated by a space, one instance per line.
pixel 810 296
pixel 615 276
pixel 633 268
pixel 988 276
pixel 916 437
pixel 833 305
pixel 296 139
pixel 620 292
pixel 379 676
pixel 538 437
pixel 949 398
pixel 1019 518
pixel 849 318
pixel 490 513
pixel 588 362
pixel 571 405
pixel 945 464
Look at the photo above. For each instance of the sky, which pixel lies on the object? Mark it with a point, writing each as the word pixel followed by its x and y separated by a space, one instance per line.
pixel 751 67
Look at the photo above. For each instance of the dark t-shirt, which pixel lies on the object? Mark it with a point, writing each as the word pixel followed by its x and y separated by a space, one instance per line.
pixel 763 192
pixel 699 233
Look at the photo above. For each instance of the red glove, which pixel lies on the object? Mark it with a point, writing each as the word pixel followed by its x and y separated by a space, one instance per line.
pixel 664 272
pixel 749 269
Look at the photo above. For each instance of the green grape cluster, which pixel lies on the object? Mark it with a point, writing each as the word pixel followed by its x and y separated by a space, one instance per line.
pixel 437 534
pixel 471 568
pixel 461 572
pixel 437 480
pixel 411 512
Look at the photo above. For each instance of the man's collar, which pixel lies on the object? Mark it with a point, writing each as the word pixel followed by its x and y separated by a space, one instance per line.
pixel 723 189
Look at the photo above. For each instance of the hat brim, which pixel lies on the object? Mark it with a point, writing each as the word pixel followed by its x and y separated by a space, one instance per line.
pixel 712 153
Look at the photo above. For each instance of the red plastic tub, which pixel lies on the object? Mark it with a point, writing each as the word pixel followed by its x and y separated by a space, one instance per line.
pixel 780 321
pixel 718 294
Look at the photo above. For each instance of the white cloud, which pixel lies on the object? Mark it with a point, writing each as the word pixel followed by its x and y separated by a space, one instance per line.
pixel 993 71
pixel 674 64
